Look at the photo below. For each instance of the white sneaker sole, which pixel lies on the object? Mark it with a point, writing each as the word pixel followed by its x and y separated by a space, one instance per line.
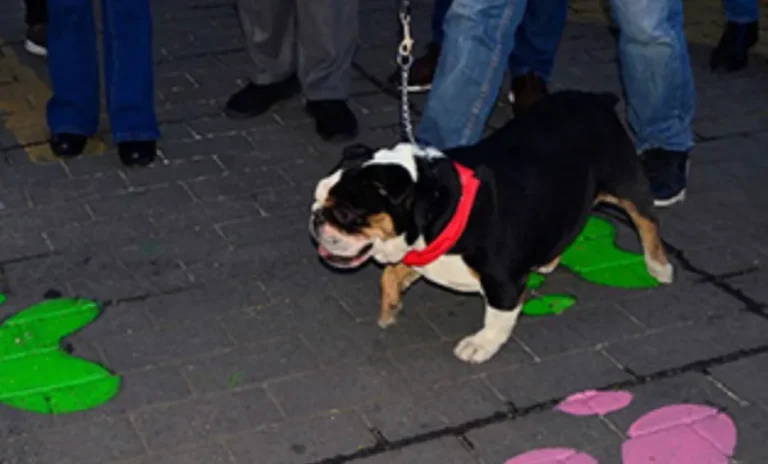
pixel 670 201
pixel 35 49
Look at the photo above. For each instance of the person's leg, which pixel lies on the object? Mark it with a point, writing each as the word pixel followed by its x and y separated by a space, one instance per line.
pixel 129 79
pixel 740 34
pixel 36 18
pixel 479 36
pixel 72 112
pixel 658 82
pixel 269 27
pixel 327 34
pixel 533 58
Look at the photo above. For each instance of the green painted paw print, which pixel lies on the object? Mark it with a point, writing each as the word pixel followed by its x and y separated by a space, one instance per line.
pixel 595 258
pixel 36 374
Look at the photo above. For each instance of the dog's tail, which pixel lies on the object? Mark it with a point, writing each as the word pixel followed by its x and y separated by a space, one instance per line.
pixel 609 99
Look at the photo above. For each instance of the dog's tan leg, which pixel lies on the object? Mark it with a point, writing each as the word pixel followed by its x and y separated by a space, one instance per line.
pixel 655 256
pixel 394 281
pixel 550 267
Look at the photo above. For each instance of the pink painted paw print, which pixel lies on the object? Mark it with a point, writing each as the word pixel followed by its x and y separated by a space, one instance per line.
pixel 676 434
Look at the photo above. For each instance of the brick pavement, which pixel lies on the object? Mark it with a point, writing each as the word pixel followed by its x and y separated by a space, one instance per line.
pixel 237 346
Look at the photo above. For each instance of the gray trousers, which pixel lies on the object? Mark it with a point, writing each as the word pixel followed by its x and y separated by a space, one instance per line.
pixel 315 39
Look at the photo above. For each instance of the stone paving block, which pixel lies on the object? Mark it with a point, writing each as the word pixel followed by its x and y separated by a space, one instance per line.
pixel 680 346
pixel 452 315
pixel 686 388
pixel 164 346
pixel 160 273
pixel 15 423
pixel 745 378
pixel 499 442
pixel 424 410
pixel 124 231
pixel 268 230
pixel 15 245
pixel 139 390
pixel 99 441
pixel 34 277
pixel 443 451
pixel 433 364
pixel 752 426
pixel 754 285
pixel 77 189
pixel 202 454
pixel 189 422
pixel 202 304
pixel 221 125
pixel 299 442
pixel 675 306
pixel 13 199
pixel 283 318
pixel 240 185
pixel 528 384
pixel 119 319
pixel 156 200
pixel 246 365
pixel 344 386
pixel 578 328
pixel 218 145
pixel 175 170
pixel 179 112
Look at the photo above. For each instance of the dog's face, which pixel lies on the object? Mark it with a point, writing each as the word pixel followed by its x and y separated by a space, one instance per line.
pixel 364 206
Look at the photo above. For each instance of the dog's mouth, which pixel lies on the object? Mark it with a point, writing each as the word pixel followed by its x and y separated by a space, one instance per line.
pixel 345 261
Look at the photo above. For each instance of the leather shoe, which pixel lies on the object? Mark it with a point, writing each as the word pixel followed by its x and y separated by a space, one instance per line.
pixel 140 153
pixel 65 145
pixel 333 119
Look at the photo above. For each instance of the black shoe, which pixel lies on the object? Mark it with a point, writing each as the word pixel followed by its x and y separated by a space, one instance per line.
pixel 667 173
pixel 333 119
pixel 37 40
pixel 253 100
pixel 67 145
pixel 732 52
pixel 525 91
pixel 139 153
pixel 422 71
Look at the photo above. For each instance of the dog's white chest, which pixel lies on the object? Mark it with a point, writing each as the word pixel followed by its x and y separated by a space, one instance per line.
pixel 451 271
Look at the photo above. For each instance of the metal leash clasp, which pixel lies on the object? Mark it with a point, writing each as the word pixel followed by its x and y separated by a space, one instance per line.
pixel 405 60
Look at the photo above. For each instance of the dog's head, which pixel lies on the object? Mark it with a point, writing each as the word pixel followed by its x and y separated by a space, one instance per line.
pixel 365 206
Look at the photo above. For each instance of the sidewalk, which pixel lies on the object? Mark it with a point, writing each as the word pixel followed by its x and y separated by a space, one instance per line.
pixel 236 346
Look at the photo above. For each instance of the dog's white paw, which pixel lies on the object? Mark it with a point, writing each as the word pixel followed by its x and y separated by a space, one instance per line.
pixel 383 323
pixel 664 273
pixel 479 347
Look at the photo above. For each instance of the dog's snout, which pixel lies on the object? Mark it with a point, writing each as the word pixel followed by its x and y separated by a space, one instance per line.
pixel 317 221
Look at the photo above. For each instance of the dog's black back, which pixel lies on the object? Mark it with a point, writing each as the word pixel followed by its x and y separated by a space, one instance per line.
pixel 541 174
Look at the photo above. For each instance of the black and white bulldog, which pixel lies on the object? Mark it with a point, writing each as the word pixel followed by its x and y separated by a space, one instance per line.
pixel 480 218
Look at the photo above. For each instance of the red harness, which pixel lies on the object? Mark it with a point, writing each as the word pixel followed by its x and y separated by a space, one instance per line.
pixel 450 235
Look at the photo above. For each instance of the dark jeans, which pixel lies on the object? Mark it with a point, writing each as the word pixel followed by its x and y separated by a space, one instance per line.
pixel 74 69
pixel 37 12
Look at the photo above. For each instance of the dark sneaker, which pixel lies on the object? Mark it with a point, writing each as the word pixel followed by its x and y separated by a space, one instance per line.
pixel 526 90
pixel 138 153
pixel 67 145
pixel 732 52
pixel 333 119
pixel 422 71
pixel 37 40
pixel 667 173
pixel 254 100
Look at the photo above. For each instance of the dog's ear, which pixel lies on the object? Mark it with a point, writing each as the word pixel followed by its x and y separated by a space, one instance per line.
pixel 392 182
pixel 356 152
pixel 354 155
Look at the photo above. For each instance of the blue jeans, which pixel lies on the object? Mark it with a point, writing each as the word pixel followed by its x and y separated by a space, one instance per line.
pixel 74 69
pixel 741 11
pixel 655 67
pixel 537 37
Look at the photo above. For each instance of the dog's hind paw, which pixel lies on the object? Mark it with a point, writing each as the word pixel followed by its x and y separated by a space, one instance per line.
pixel 663 272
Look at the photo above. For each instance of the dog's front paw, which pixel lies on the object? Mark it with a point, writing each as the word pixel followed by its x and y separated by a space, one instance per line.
pixel 479 347
pixel 385 322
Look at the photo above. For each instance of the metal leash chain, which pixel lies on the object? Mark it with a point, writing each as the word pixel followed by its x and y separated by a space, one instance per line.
pixel 405 60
